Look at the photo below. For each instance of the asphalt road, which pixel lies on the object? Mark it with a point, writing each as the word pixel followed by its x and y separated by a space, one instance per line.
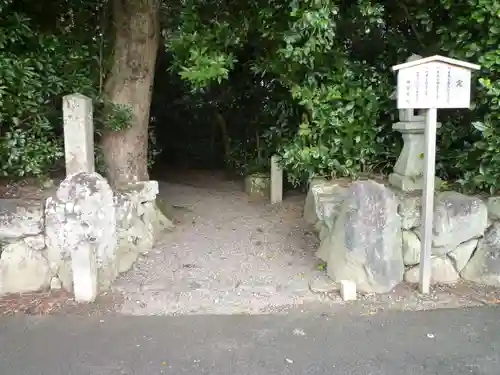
pixel 443 342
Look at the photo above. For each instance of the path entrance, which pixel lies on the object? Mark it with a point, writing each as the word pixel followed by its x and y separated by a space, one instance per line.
pixel 226 255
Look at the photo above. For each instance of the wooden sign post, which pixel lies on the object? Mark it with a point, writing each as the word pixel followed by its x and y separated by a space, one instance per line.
pixel 431 83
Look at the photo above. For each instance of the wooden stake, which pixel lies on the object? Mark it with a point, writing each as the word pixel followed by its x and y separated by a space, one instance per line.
pixel 428 200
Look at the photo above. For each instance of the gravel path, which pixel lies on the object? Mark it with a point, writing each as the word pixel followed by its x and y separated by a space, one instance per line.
pixel 227 255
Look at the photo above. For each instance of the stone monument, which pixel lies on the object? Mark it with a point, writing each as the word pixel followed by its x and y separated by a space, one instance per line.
pixel 78 134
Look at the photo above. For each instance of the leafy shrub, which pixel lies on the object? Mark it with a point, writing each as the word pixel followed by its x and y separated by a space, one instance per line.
pixel 36 70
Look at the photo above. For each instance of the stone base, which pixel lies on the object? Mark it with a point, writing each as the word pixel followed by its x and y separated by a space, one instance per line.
pixel 258 185
pixel 407 183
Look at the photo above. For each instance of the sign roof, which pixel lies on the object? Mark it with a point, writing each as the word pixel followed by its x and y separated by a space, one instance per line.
pixel 436 58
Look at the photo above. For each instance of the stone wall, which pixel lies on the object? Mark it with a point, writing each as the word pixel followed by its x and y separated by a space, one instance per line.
pixel 370 234
pixel 85 234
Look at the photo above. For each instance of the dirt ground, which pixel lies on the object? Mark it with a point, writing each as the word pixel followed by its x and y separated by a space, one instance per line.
pixel 227 254
pixel 230 255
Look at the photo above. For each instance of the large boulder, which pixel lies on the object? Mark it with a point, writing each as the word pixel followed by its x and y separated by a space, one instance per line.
pixel 409 208
pixel 365 245
pixel 411 248
pixel 23 269
pixel 457 219
pixel 144 197
pixel 462 254
pixel 81 217
pixel 20 218
pixel 133 241
pixel 310 215
pixel 134 221
pixel 323 203
pixel 442 272
pixel 484 266
pixel 494 208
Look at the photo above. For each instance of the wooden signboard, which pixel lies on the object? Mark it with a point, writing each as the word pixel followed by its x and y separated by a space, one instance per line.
pixel 431 83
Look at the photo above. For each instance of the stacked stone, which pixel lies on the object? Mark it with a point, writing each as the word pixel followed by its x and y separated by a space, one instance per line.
pixel 370 234
pixel 24 265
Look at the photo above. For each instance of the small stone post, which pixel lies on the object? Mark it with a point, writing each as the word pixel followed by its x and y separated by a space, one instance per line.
pixel 276 181
pixel 78 134
pixel 84 267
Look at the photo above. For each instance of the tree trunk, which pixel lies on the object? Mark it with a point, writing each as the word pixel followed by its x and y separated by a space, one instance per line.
pixel 226 139
pixel 130 83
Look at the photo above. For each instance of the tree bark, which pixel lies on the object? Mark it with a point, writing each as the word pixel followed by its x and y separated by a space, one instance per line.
pixel 226 139
pixel 130 83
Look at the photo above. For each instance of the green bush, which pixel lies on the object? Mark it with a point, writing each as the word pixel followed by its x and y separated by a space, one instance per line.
pixel 36 70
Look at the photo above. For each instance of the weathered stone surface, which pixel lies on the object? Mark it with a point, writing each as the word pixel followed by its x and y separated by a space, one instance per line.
pixel 144 191
pixel 126 205
pixel 323 204
pixel 35 242
pixel 457 218
pixel 139 222
pixel 81 217
pixel 409 168
pixel 22 269
pixel 159 223
pixel 136 221
pixel 258 185
pixel 55 283
pixel 411 248
pixel 365 245
pixel 310 215
pixel 78 134
pixel 409 209
pixel 138 239
pixel 484 266
pixel 462 254
pixel 494 208
pixel 20 218
pixel 442 272
pixel 276 180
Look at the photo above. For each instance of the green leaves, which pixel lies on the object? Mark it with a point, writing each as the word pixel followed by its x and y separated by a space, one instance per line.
pixel 206 67
pixel 479 126
pixel 38 65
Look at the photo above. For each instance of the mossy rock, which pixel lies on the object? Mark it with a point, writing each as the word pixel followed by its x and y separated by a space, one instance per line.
pixel 258 185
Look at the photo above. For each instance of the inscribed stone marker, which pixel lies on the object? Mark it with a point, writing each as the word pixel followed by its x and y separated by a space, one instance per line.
pixel 78 134
pixel 276 181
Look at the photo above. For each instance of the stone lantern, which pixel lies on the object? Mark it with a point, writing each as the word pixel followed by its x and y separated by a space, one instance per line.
pixel 408 174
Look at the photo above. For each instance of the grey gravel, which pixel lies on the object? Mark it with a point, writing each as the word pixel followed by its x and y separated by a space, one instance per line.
pixel 227 255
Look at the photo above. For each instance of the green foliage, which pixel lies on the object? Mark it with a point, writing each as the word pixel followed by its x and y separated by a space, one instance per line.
pixel 334 57
pixel 37 68
pixel 342 134
pixel 211 34
pixel 487 151
pixel 45 53
pixel 111 116
pixel 307 79
pixel 341 98
pixel 472 32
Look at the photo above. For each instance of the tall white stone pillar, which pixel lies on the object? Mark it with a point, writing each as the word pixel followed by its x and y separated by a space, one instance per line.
pixel 78 134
